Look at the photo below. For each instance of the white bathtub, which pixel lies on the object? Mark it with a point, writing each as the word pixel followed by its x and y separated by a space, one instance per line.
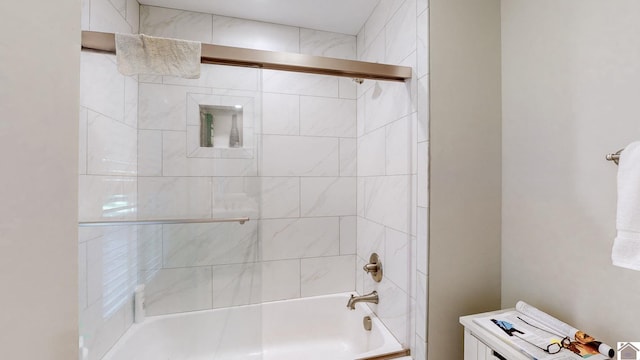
pixel 311 328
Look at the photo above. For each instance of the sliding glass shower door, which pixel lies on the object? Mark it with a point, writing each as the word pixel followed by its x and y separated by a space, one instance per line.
pixel 198 158
pixel 170 200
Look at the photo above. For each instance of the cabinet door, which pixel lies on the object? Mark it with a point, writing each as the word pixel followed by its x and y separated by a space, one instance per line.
pixel 475 349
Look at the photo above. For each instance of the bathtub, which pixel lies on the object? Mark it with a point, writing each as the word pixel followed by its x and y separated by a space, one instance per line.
pixel 310 328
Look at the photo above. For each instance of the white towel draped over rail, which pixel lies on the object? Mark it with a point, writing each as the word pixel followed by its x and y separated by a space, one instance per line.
pixel 149 55
pixel 626 246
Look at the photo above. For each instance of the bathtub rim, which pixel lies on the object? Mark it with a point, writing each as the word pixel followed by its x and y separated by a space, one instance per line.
pixel 390 343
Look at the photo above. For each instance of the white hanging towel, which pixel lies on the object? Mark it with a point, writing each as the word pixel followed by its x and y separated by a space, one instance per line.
pixel 626 246
pixel 142 54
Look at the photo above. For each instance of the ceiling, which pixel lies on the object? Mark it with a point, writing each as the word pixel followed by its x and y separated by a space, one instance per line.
pixel 342 16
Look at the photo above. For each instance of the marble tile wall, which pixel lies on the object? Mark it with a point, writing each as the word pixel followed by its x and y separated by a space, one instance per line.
pixel 108 169
pixel 392 163
pixel 300 191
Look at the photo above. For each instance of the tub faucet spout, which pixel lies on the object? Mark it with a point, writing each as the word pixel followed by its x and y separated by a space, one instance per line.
pixel 371 298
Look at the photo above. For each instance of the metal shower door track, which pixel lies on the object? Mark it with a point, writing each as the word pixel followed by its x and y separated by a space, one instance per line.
pixel 272 60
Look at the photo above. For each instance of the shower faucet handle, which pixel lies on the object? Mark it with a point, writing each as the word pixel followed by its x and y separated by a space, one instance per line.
pixel 371 268
pixel 374 267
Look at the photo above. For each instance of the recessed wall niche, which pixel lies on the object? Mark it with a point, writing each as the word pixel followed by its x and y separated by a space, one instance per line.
pixel 221 126
pixel 210 125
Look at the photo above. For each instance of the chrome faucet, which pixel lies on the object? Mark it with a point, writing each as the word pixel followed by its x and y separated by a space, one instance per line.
pixel 371 298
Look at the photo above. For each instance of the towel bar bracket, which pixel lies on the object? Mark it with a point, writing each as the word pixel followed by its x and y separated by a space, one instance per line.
pixel 615 157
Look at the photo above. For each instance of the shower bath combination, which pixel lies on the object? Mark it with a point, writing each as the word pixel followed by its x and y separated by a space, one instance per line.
pixel 272 144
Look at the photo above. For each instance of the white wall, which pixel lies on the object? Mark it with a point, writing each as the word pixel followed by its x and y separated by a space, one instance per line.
pixel 392 169
pixel 39 87
pixel 571 84
pixel 464 207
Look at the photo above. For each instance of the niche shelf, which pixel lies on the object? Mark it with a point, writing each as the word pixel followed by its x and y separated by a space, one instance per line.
pixel 221 127
pixel 210 125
